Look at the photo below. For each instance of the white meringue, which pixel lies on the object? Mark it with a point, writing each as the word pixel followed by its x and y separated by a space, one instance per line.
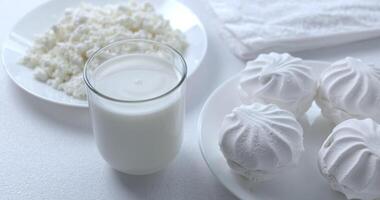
pixel 259 141
pixel 349 88
pixel 278 79
pixel 350 159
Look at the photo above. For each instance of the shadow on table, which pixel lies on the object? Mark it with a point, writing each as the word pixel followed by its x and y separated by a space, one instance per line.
pixel 64 116
pixel 202 82
pixel 138 186
pixel 185 178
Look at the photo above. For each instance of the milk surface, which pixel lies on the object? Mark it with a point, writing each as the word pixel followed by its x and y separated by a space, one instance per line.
pixel 139 137
pixel 135 77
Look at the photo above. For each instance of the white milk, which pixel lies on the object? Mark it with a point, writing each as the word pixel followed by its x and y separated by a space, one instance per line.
pixel 142 137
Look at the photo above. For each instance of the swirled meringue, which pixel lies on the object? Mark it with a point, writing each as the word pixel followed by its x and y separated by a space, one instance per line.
pixel 350 159
pixel 349 88
pixel 259 141
pixel 278 79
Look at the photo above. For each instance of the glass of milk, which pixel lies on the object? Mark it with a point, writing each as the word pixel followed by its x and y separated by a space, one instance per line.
pixel 135 92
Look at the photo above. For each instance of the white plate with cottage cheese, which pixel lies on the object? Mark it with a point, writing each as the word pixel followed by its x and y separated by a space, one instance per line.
pixel 302 182
pixel 38 21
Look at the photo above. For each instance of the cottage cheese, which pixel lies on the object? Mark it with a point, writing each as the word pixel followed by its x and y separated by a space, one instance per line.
pixel 59 55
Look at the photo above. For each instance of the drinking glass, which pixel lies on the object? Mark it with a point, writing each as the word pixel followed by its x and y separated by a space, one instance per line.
pixel 137 119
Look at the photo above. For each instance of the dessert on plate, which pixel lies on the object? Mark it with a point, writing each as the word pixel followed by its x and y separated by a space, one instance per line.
pixel 349 88
pixel 350 159
pixel 259 141
pixel 279 79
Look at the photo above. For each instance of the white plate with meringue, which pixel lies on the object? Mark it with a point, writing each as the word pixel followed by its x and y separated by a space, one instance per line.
pixel 304 181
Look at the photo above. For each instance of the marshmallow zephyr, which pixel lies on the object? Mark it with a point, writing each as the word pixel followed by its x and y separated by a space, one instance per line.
pixel 259 141
pixel 278 79
pixel 350 159
pixel 349 88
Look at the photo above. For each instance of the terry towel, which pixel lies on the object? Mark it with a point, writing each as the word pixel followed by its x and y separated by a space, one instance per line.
pixel 255 26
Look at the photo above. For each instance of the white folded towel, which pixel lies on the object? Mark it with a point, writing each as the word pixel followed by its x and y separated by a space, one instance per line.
pixel 255 26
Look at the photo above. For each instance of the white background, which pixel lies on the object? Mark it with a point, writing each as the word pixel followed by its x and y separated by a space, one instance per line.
pixel 47 151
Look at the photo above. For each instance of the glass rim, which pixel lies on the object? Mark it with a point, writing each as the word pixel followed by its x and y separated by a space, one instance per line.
pixel 97 52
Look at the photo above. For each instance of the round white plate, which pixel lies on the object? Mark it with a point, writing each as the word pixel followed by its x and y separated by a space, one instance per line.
pixel 302 182
pixel 41 18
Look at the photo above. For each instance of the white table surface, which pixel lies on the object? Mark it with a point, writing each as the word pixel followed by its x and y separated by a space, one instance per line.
pixel 47 151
